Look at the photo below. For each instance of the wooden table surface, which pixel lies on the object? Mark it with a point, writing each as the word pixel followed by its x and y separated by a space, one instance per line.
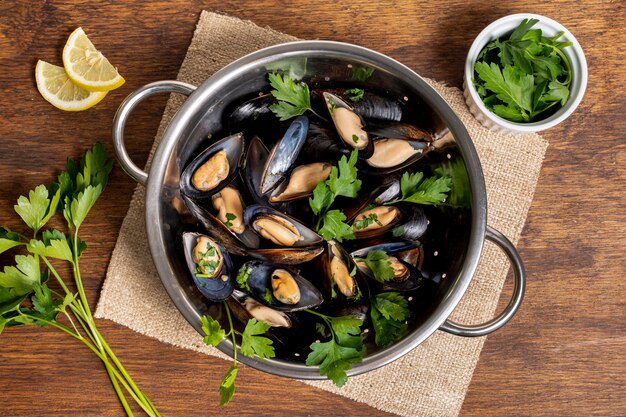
pixel 563 354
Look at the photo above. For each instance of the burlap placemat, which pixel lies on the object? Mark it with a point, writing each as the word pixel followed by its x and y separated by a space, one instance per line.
pixel 433 378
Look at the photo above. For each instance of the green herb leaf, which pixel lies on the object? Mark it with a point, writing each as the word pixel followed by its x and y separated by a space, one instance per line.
pixel 392 305
pixel 34 210
pixel 8 239
pixel 242 276
pixel 377 262
pixel 510 85
pixel 388 312
pixel 522 28
pixel 355 94
pixel 43 302
pixel 366 221
pixel 294 99
pixel 252 344
pixel 338 355
pixel 346 183
pixel 322 197
pixel 459 195
pixel 361 72
pixel 386 332
pixel 9 300
pixel 431 191
pixel 268 297
pixel 23 276
pixel 213 332
pixel 334 227
pixel 77 210
pixel 558 92
pixel 227 386
pixel 229 219
pixel 56 248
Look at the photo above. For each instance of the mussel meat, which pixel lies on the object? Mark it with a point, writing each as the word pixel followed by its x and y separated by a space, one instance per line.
pixel 213 169
pixel 349 125
pixel 376 221
pixel 210 266
pixel 270 316
pixel 340 273
pixel 279 228
pixel 302 181
pixel 229 205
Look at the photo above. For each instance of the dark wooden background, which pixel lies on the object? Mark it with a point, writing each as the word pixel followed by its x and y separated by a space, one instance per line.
pixel 564 353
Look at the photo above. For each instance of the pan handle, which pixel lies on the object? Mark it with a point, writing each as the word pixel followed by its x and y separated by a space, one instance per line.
pixel 127 106
pixel 516 300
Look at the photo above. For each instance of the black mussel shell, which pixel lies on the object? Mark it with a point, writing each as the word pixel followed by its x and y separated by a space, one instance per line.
pixel 233 146
pixel 215 289
pixel 287 256
pixel 322 144
pixel 253 165
pixel 330 280
pixel 370 105
pixel 254 117
pixel 284 154
pixel 414 223
pixel 396 249
pixel 259 279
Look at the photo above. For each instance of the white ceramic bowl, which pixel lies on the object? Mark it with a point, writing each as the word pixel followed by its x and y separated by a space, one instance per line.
pixel 503 27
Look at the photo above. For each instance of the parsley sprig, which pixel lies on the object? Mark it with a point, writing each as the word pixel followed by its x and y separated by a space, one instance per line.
pixel 294 99
pixel 522 77
pixel 344 349
pixel 377 262
pixel 25 296
pixel 355 94
pixel 389 312
pixel 430 191
pixel 342 181
pixel 252 343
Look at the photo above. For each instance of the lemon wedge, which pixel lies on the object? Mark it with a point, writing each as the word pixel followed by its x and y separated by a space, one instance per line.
pixel 86 66
pixel 55 86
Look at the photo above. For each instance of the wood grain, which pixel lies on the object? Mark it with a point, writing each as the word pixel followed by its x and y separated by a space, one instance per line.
pixel 562 355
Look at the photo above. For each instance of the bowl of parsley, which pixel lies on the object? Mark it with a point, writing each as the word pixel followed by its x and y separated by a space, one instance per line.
pixel 524 73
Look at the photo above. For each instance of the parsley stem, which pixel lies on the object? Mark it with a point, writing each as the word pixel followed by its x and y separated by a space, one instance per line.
pixel 232 331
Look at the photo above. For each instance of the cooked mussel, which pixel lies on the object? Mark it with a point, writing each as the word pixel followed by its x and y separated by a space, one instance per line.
pixel 229 206
pixel 369 105
pixel 302 182
pixel 213 169
pixel 340 274
pixel 210 266
pixel 349 125
pixel 406 276
pixel 279 228
pixel 376 221
pixel 253 309
pixel 396 146
pixel 283 155
pixel 278 287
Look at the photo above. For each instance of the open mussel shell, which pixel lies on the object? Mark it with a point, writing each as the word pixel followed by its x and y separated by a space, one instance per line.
pixel 233 243
pixel 210 266
pixel 279 229
pixel 245 307
pixel 301 182
pixel 283 155
pixel 401 257
pixel 341 277
pixel 349 125
pixel 396 146
pixel 213 169
pixel 279 287
pixel 370 105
